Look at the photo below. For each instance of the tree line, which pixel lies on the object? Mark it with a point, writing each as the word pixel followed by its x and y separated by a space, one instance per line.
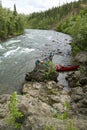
pixel 11 23
pixel 76 26
pixel 51 17
pixel 70 18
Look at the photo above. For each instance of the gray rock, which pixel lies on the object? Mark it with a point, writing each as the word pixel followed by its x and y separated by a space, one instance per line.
pixel 39 102
pixel 85 88
pixel 42 123
pixel 58 106
pixel 78 90
pixel 81 57
pixel 76 98
pixel 83 111
pixel 4 98
pixel 84 101
pixel 83 80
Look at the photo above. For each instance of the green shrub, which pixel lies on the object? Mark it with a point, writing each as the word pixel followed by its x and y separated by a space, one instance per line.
pixel 81 38
pixel 15 114
pixel 51 69
pixel 63 115
pixel 50 127
pixel 70 126
pixel 75 49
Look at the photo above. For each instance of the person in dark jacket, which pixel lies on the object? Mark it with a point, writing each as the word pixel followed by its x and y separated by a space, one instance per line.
pixel 51 56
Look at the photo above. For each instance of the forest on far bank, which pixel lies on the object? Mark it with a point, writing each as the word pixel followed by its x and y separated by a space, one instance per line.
pixel 11 23
pixel 70 18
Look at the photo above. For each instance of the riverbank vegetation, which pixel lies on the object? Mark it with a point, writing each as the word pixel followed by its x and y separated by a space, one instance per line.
pixel 76 26
pixel 11 23
pixel 70 18
pixel 15 115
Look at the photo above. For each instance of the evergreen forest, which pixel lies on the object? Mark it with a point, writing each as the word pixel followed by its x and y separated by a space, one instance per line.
pixel 11 23
pixel 70 18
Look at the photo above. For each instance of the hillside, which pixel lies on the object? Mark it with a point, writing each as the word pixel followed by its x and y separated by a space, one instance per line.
pixel 52 17
pixel 70 18
pixel 76 26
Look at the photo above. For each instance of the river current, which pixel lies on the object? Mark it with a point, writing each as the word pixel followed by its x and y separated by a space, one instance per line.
pixel 18 56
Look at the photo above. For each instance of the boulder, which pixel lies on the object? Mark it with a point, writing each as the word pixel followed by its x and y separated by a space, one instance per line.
pixel 81 57
pixel 77 90
pixel 76 98
pixel 46 123
pixel 83 111
pixel 85 88
pixel 83 80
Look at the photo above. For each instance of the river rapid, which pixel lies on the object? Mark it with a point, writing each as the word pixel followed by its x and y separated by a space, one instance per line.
pixel 18 56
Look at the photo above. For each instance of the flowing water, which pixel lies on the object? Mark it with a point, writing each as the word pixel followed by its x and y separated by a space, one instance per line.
pixel 18 56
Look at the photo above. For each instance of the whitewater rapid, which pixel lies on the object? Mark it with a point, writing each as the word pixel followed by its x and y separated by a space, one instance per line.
pixel 18 55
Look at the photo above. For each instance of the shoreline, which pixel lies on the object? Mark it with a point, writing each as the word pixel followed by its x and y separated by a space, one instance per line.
pixel 42 102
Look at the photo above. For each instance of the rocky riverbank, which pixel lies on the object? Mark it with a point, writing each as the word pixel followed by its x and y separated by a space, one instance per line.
pixel 78 82
pixel 40 104
pixel 43 103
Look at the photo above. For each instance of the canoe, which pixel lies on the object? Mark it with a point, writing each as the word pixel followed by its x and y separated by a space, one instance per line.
pixel 66 68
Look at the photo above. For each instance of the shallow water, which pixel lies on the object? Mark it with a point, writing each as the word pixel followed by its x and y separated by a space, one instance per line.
pixel 18 55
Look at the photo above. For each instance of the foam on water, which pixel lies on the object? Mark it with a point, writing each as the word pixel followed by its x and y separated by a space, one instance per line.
pixel 50 37
pixel 12 41
pixel 30 36
pixel 26 50
pixel 18 50
pixel 11 52
pixel 1 47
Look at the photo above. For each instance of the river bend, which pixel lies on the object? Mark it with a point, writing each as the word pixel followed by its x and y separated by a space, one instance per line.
pixel 18 55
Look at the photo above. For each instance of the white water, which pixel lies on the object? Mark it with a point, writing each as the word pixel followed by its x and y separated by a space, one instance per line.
pixel 11 52
pixel 1 47
pixel 11 42
pixel 17 50
pixel 18 55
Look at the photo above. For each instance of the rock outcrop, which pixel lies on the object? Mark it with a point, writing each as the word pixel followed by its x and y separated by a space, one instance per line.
pixel 78 86
pixel 42 72
pixel 41 103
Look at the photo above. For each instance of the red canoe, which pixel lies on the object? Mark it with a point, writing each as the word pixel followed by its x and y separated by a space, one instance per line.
pixel 66 68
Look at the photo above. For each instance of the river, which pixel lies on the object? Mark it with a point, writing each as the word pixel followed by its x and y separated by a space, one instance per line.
pixel 18 56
